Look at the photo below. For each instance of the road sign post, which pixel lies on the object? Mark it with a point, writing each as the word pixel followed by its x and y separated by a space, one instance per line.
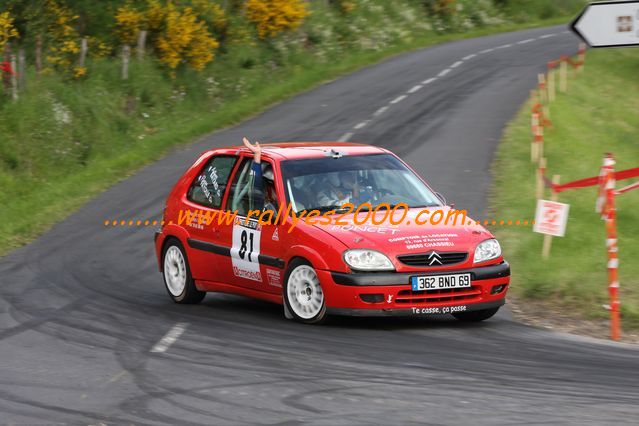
pixel 609 24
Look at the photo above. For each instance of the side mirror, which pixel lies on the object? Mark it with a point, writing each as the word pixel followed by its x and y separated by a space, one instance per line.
pixel 443 200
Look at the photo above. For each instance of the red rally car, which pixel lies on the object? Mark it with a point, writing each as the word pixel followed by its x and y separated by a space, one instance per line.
pixel 335 263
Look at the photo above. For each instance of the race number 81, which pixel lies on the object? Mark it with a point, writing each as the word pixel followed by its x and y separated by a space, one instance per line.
pixel 243 245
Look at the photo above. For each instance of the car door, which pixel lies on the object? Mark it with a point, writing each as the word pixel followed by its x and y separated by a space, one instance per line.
pixel 202 205
pixel 255 249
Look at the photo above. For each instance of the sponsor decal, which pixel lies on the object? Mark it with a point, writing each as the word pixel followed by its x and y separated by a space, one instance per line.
pixel 213 176
pixel 426 241
pixel 274 277
pixel 276 235
pixel 442 310
pixel 367 228
pixel 205 188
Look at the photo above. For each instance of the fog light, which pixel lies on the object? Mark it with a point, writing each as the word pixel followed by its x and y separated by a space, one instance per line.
pixel 372 298
pixel 498 289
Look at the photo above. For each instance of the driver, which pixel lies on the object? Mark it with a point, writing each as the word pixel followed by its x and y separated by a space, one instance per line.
pixel 344 189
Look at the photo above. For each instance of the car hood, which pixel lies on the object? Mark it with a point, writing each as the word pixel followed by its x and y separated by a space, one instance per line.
pixel 407 237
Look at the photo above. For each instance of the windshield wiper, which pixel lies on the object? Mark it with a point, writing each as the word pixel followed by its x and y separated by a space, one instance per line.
pixel 424 206
pixel 324 209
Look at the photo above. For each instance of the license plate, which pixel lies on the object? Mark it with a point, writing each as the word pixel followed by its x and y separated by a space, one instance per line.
pixel 440 282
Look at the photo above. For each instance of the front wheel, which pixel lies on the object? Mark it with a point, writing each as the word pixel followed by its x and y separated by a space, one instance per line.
pixel 177 275
pixel 476 316
pixel 303 296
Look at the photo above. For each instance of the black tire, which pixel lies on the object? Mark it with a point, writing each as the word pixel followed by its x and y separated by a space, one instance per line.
pixel 316 318
pixel 189 293
pixel 476 316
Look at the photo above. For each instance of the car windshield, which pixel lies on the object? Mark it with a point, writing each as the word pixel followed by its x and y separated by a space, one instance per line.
pixel 327 183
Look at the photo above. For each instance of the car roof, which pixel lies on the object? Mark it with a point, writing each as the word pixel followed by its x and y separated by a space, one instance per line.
pixel 298 150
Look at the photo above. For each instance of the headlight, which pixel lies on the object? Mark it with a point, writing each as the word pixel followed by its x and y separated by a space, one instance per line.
pixel 367 260
pixel 487 250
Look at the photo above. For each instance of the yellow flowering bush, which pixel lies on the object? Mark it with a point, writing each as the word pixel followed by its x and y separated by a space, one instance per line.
pixel 127 24
pixel 271 17
pixel 79 72
pixel 155 15
pixel 7 30
pixel 185 38
pixel 347 6
pixel 98 48
pixel 212 13
pixel 65 41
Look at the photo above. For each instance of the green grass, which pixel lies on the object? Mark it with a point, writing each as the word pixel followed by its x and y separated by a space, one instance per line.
pixel 64 142
pixel 598 114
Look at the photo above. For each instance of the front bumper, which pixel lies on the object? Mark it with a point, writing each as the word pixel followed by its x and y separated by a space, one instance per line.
pixel 416 311
pixel 390 294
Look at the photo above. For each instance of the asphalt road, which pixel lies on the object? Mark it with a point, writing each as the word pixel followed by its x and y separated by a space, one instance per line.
pixel 83 307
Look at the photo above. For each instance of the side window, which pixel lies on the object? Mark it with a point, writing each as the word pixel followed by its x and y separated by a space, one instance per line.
pixel 241 197
pixel 246 195
pixel 208 187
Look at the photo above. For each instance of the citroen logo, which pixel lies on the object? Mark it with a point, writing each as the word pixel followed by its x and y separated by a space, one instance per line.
pixel 434 258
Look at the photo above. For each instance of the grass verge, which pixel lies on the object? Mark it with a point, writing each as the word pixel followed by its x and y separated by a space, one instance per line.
pixel 596 115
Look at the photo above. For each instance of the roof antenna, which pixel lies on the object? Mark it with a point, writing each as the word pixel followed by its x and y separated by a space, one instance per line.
pixel 334 154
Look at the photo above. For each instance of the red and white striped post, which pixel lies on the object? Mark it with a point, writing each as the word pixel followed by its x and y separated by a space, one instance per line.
pixel 582 57
pixel 543 94
pixel 534 125
pixel 609 215
pixel 563 74
pixel 538 143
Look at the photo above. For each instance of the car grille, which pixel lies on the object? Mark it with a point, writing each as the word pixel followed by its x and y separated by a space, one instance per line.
pixel 425 259
pixel 437 296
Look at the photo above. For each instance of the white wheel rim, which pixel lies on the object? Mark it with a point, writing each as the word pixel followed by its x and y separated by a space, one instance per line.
pixel 304 292
pixel 174 271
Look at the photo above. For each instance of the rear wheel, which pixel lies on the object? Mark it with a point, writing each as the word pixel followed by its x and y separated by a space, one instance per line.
pixel 303 295
pixel 177 275
pixel 476 316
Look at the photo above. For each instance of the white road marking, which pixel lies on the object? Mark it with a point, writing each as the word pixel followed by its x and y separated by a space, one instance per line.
pixel 345 137
pixel 170 337
pixel 117 377
pixel 380 111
